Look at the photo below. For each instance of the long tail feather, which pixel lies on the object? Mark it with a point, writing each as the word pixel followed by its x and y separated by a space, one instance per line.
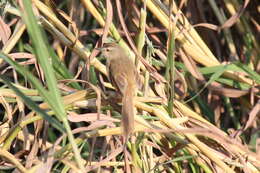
pixel 128 112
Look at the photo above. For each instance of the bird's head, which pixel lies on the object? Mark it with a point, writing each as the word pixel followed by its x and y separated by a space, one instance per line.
pixel 111 50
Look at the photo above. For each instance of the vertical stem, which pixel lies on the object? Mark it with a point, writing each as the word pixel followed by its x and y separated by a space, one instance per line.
pixel 169 75
pixel 73 144
pixel 141 36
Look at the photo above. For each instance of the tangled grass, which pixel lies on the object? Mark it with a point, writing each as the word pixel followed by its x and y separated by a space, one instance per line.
pixel 198 109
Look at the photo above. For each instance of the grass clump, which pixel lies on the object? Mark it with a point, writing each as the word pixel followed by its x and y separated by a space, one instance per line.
pixel 198 109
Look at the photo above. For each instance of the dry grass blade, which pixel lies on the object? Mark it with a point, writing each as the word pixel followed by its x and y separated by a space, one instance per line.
pixel 109 18
pixel 13 160
pixel 232 20
pixel 253 114
pixel 5 31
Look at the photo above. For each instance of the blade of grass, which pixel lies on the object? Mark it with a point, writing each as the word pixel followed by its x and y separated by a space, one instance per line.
pixel 249 71
pixel 13 160
pixel 213 78
pixel 62 70
pixel 43 57
pixel 169 74
pixel 31 104
pixel 34 81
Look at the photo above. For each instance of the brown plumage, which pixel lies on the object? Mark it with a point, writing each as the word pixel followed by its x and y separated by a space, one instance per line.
pixel 122 74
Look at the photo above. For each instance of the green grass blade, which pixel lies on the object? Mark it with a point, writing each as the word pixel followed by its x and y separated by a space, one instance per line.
pixel 249 71
pixel 213 78
pixel 61 69
pixel 34 81
pixel 170 66
pixel 44 58
pixel 32 105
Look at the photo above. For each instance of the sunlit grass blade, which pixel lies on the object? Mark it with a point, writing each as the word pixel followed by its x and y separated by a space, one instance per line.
pixel 43 57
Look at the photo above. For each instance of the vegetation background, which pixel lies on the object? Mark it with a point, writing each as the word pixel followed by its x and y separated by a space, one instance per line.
pixel 198 109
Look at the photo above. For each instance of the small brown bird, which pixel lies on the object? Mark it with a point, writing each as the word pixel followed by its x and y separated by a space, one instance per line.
pixel 123 76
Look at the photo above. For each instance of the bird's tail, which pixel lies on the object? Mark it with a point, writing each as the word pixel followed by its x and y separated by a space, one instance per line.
pixel 128 111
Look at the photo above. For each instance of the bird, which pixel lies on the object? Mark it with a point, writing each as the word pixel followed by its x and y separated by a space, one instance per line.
pixel 123 76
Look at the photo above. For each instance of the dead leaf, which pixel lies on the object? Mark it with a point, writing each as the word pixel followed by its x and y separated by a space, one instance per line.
pixel 207 25
pixel 21 55
pixel 159 88
pixel 233 19
pixel 252 115
pixel 228 92
pixel 89 117
pixel 5 31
